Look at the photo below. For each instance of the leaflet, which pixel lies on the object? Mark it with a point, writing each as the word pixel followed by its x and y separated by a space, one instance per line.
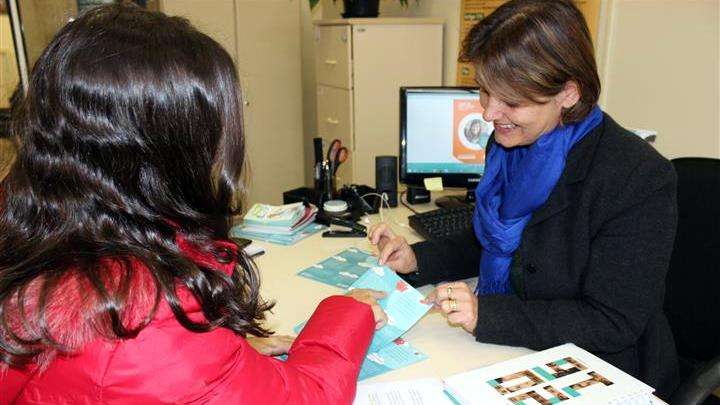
pixel 342 269
pixel 403 304
pixel 396 355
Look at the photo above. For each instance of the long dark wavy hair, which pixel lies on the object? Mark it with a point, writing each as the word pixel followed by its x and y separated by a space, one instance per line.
pixel 131 133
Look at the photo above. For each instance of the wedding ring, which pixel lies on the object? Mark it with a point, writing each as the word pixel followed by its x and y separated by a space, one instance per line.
pixel 453 305
pixel 449 292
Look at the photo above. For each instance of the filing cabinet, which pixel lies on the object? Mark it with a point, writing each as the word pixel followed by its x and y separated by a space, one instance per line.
pixel 360 65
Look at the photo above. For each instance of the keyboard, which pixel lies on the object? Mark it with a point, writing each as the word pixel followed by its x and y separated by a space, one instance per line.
pixel 442 222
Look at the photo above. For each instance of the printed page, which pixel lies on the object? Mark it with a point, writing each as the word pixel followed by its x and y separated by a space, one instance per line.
pixel 563 374
pixel 428 391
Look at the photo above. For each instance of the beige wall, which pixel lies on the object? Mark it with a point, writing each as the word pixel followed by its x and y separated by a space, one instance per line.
pixel 661 70
pixel 263 36
pixel 8 66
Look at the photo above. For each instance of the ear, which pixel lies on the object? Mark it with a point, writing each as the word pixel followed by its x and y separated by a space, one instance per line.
pixel 570 95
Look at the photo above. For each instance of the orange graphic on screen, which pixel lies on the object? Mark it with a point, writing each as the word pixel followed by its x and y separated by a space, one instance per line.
pixel 470 131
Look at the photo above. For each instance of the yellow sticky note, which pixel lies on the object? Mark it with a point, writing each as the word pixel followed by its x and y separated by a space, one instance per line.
pixel 433 183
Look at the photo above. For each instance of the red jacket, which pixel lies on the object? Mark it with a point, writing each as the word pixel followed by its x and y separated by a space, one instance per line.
pixel 167 363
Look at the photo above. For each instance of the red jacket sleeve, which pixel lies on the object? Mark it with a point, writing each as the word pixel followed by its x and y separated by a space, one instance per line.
pixel 169 363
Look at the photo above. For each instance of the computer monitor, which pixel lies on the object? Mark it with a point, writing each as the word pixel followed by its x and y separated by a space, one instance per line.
pixel 442 134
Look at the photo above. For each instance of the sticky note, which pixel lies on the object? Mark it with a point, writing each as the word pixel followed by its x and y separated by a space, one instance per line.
pixel 433 183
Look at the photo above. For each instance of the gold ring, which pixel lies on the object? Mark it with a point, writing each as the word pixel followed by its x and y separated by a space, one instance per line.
pixel 449 292
pixel 453 305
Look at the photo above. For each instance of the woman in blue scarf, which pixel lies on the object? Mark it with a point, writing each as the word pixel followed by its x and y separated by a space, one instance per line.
pixel 575 216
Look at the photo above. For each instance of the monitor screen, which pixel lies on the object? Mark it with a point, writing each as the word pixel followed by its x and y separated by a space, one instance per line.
pixel 442 134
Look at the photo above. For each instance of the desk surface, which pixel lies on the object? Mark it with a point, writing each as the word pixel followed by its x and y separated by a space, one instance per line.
pixel 450 350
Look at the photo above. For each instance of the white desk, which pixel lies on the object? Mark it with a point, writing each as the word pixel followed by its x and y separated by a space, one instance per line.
pixel 450 349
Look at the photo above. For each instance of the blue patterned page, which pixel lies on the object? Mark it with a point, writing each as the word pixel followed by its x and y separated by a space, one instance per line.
pixel 397 354
pixel 402 304
pixel 341 270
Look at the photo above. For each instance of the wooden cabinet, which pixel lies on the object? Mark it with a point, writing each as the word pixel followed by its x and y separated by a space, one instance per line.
pixel 360 66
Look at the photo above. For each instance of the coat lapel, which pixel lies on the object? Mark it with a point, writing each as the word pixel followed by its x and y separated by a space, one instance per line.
pixel 576 168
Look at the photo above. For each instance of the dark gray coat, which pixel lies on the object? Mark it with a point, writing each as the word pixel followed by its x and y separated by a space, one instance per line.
pixel 591 265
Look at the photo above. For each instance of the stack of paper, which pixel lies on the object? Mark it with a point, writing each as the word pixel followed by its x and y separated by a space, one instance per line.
pixel 283 224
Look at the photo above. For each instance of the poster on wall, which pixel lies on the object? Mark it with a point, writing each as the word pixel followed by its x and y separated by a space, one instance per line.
pixel 472 11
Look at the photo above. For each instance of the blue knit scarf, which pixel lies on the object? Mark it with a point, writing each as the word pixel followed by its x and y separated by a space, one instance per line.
pixel 518 181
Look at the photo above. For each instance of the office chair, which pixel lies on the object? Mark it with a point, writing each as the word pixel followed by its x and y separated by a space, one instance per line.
pixel 692 299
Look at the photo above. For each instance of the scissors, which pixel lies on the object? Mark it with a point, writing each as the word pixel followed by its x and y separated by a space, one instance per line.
pixel 336 155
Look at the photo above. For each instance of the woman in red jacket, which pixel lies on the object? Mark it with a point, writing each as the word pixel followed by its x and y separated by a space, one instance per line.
pixel 117 283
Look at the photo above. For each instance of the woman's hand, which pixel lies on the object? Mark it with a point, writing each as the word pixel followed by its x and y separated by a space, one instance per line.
pixel 272 345
pixel 370 297
pixel 458 302
pixel 393 251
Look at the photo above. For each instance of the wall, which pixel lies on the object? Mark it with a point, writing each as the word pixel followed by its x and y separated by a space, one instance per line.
pixel 8 66
pixel 661 71
pixel 41 20
pixel 263 36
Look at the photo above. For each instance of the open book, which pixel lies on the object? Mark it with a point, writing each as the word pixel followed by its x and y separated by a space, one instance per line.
pixel 563 374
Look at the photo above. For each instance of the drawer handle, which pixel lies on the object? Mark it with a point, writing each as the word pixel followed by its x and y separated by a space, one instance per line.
pixel 330 62
pixel 332 121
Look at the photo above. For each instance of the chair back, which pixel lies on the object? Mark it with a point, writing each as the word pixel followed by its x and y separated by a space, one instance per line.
pixel 692 299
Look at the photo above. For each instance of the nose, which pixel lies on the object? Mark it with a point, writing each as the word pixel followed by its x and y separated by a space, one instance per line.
pixel 493 109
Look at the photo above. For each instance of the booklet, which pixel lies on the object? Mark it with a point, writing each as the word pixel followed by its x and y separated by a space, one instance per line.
pixel 403 304
pixel 342 269
pixel 274 215
pixel 565 373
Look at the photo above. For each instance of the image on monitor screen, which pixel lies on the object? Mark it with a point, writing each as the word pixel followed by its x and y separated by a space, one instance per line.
pixel 442 134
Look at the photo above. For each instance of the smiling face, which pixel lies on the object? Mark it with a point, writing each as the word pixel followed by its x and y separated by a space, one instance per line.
pixel 521 122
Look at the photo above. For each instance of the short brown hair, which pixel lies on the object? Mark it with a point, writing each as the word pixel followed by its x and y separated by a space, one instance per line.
pixel 529 49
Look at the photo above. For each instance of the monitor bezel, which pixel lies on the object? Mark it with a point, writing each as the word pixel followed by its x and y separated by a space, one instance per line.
pixel 465 180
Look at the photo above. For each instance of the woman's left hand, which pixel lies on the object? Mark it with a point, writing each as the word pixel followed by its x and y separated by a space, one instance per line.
pixel 272 345
pixel 458 302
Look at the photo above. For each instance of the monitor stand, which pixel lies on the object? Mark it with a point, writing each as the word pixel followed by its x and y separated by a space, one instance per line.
pixel 452 201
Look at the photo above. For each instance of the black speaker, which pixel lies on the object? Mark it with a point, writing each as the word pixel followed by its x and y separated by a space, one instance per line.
pixel 386 177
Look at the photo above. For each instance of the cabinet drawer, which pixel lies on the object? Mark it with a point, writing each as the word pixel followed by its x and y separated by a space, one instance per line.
pixel 335 121
pixel 332 56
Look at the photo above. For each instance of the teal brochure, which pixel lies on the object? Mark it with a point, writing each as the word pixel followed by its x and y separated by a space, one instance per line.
pixel 341 270
pixel 403 304
pixel 397 354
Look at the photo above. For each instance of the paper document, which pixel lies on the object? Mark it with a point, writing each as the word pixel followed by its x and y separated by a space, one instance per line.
pixel 342 269
pixel 402 305
pixel 563 374
pixel 428 391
